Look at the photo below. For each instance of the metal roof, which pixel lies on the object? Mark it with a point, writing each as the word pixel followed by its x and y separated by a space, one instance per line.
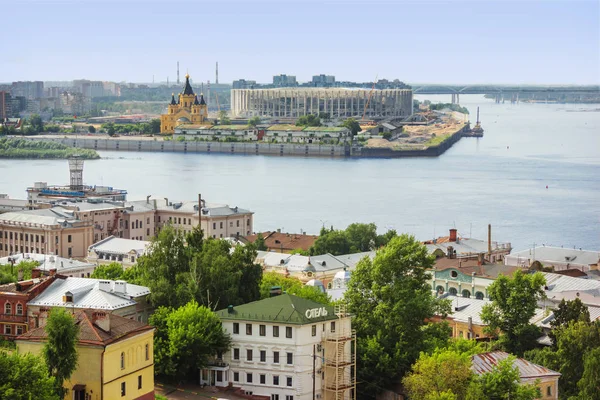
pixel 485 362
pixel 46 216
pixel 115 245
pixel 47 262
pixel 548 254
pixel 87 293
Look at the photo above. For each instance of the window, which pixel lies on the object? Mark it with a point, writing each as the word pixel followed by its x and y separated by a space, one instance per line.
pixel 214 225
pixel 148 220
pixel 236 328
pixel 262 330
pixel 70 252
pixel 147 231
pixel 19 330
pixel 185 221
pixel 42 239
pixel 275 357
pixel 147 352
pixel 180 221
pixel 69 238
pixel 314 330
pixel 263 379
pixel 238 223
pixel 290 358
pixel 249 378
pixel 549 391
pixel 248 329
pixel 236 354
pixel 221 225
pixel 332 326
pixel 288 332
pixel 289 381
pixel 274 397
pixel 275 331
pixel 123 389
pixel 276 380
pixel 231 224
pixel 26 237
pixel 236 376
pixel 8 329
pixel 139 381
pixel 289 397
pixel 7 308
pixel 249 355
pixel 122 360
pixel 263 356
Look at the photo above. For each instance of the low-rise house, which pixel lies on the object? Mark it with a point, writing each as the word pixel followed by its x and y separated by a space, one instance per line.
pixel 115 357
pixel 51 264
pixel 55 230
pixel 529 373
pixel 311 134
pixel 456 246
pixel 277 345
pixel 114 297
pixel 113 249
pixel 216 132
pixel 13 304
pixel 285 242
pixel 556 257
pixel 559 287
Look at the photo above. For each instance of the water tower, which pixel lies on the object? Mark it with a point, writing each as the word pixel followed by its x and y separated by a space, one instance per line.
pixel 76 172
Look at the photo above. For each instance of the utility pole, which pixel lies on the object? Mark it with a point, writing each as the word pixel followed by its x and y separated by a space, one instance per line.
pixel 314 371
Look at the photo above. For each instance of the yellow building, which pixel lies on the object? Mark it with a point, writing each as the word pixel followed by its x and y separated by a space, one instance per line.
pixel 115 357
pixel 188 109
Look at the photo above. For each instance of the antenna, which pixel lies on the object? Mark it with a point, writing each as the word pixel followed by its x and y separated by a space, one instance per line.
pixel 217 75
pixel 177 72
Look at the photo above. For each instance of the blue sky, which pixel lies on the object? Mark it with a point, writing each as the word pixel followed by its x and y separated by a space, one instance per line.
pixel 414 41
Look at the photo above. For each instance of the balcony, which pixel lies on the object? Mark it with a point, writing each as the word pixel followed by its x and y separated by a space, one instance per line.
pixel 13 318
pixel 341 335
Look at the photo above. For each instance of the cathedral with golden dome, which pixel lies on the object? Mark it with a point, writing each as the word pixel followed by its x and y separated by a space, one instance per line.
pixel 187 109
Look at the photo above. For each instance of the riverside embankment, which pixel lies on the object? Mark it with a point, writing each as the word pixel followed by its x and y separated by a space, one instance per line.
pixel 158 144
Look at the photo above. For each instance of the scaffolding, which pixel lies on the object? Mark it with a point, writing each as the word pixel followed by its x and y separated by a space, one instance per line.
pixel 339 381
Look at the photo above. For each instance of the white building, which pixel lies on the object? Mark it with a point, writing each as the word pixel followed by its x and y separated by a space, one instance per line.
pixel 557 257
pixel 280 344
pixel 114 249
pixel 50 262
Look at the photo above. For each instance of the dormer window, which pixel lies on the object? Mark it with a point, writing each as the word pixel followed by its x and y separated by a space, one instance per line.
pixel 68 297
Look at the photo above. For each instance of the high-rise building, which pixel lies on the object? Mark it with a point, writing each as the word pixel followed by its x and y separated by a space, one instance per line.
pixel 28 89
pixel 323 80
pixel 5 109
pixel 243 84
pixel 285 80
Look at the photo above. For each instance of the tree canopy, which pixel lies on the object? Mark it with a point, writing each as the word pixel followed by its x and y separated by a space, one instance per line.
pixel 514 301
pixel 60 350
pixel 357 237
pixel 291 286
pixel 185 339
pixel 254 121
pixel 352 124
pixel 308 120
pixel 25 377
pixel 112 271
pixel 391 301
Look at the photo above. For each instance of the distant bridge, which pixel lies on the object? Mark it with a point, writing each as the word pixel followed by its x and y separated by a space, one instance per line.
pixel 502 89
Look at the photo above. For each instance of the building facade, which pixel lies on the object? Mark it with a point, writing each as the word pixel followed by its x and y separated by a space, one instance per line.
pixel 283 347
pixel 338 103
pixel 116 250
pixel 188 109
pixel 115 357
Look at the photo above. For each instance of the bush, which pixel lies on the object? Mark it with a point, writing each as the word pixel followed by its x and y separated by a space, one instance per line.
pixel 387 135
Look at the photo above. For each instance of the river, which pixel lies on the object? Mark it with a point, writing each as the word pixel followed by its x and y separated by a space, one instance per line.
pixel 499 179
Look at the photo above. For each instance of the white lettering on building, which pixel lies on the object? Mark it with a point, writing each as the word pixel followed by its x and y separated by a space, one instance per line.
pixel 316 312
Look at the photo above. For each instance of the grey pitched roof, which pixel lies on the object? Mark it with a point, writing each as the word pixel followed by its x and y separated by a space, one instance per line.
pixel 485 362
pixel 47 262
pixel 549 254
pixel 115 245
pixel 47 216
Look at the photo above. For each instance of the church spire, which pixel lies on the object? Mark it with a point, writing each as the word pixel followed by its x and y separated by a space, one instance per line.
pixel 202 102
pixel 196 100
pixel 187 90
pixel 173 103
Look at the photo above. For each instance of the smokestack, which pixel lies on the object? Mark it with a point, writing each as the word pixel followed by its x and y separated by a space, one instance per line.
pixel 217 74
pixel 166 201
pixel 489 240
pixel 148 199
pixel 452 235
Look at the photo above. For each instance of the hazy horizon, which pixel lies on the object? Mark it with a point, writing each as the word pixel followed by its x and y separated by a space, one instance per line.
pixel 445 42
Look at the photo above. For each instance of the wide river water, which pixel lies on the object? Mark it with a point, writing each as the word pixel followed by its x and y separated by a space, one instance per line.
pixel 499 179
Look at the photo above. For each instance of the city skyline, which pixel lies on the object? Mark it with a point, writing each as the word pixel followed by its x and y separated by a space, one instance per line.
pixel 445 42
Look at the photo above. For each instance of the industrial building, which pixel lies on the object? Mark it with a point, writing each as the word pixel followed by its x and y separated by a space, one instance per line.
pixel 338 103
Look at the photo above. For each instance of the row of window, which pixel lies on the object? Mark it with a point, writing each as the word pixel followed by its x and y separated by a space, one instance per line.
pixel 124 386
pixel 262 356
pixel 177 220
pixel 262 330
pixel 146 352
pixel 8 329
pixel 21 235
pixel 237 224
pixel 262 379
pixel 8 309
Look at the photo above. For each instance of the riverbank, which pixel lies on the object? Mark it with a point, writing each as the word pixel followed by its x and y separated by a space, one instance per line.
pixel 23 148
pixel 100 142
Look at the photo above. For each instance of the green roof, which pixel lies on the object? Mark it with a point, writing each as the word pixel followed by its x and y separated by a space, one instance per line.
pixel 285 127
pixel 231 127
pixel 285 308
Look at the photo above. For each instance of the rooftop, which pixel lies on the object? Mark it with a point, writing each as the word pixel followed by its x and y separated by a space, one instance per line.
pixel 468 266
pixel 115 245
pixel 47 216
pixel 286 241
pixel 485 362
pixel 47 262
pixel 90 293
pixel 96 328
pixel 548 254
pixel 191 207
pixel 285 308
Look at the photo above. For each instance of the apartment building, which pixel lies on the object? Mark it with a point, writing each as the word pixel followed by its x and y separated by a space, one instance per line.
pixel 276 342
pixel 55 230
pixel 112 249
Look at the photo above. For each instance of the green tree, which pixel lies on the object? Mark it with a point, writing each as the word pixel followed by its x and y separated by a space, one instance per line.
pixel 589 384
pixel 308 120
pixel 300 252
pixel 112 271
pixel 351 124
pixel 155 125
pixel 391 300
pixel 223 118
pixel 10 273
pixel 503 383
pixel 260 242
pixel 186 339
pixel 443 372
pixel 60 350
pixel 387 135
pixel 91 129
pixel 36 123
pixel 514 301
pixel 382 240
pixel 254 121
pixel 25 377
pixel 567 311
pixel 361 237
pixel 291 286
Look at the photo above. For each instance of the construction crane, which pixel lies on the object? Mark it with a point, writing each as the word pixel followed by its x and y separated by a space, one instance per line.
pixel 369 98
pixel 218 105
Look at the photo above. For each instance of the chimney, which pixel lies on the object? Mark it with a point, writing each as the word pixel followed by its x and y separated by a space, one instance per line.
pixel 148 199
pixel 101 320
pixel 230 309
pixel 199 206
pixel 36 273
pixel 105 286
pixel 453 235
pixel 450 252
pixel 53 272
pixel 489 240
pixel 120 287
pixel 480 258
pixel 166 201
